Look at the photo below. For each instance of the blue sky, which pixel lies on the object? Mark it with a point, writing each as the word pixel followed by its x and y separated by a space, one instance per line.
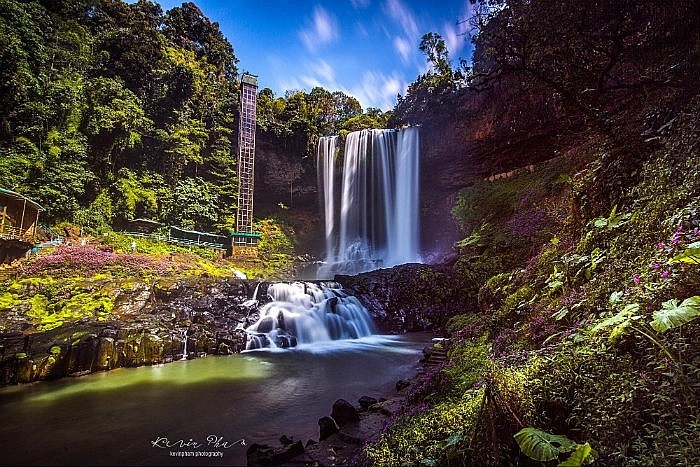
pixel 365 48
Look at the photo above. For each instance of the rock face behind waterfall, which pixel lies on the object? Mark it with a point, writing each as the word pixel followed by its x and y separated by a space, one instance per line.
pixel 411 297
pixel 153 324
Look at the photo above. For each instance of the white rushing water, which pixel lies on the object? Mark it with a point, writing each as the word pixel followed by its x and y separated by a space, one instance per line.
pixel 376 223
pixel 302 313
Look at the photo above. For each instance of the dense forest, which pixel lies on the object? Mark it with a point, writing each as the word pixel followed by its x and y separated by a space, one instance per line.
pixel 113 111
pixel 563 193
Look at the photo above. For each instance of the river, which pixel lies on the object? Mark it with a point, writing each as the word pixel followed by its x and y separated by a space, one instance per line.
pixel 211 405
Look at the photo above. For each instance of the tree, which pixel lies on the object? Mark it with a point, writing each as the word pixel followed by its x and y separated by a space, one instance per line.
pixel 433 46
pixel 187 27
pixel 114 121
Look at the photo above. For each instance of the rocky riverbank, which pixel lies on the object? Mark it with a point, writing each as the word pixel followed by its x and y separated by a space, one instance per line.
pixel 348 427
pixel 149 324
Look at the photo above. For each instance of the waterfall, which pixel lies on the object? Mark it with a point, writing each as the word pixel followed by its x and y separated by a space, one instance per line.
pixel 184 350
pixel 308 313
pixel 377 222
pixel 326 182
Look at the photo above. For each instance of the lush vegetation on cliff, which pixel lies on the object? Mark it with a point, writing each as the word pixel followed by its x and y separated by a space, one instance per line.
pixel 583 344
pixel 112 111
pixel 576 338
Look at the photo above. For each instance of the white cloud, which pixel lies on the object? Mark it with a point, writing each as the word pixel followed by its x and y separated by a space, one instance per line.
pixel 324 71
pixel 379 90
pixel 374 90
pixel 453 41
pixel 403 47
pixel 406 42
pixel 322 31
pixel 400 13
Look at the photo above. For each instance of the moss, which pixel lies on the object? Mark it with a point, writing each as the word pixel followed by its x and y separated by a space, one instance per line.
pixel 8 300
pixel 422 439
pixel 47 315
pixel 470 362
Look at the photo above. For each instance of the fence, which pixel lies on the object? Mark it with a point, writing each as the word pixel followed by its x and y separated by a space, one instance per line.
pixel 179 240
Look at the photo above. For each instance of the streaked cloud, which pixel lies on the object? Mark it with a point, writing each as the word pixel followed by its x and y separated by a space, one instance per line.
pixel 375 89
pixel 323 30
pixel 379 90
pixel 453 41
pixel 403 48
pixel 400 13
pixel 406 41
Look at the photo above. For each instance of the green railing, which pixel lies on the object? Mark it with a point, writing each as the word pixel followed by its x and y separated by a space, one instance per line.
pixel 178 240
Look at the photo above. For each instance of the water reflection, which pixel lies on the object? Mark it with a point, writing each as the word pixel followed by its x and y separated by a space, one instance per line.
pixel 112 418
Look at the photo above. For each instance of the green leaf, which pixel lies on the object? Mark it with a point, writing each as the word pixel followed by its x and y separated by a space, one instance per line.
pixel 542 446
pixel 672 315
pixel 615 297
pixel 600 222
pixel 563 311
pixel 690 255
pixel 622 317
pixel 584 454
pixel 454 439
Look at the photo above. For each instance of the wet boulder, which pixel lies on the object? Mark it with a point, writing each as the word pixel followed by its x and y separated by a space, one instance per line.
pixel 344 412
pixel 327 427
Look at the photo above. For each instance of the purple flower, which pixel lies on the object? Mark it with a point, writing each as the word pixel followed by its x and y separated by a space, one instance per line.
pixel 664 274
pixel 655 265
pixel 696 232
pixel 660 245
pixel 636 279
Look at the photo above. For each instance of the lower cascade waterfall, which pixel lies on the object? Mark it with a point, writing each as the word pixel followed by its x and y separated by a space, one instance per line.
pixel 306 313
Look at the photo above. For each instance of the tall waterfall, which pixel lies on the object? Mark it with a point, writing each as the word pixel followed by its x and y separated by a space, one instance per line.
pixel 376 222
pixel 308 313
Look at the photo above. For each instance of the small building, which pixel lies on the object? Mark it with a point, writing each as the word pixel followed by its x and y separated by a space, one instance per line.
pixel 19 220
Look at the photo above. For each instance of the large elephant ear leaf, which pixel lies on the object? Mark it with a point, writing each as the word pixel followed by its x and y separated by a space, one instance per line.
pixel 542 446
pixel 672 315
pixel 583 455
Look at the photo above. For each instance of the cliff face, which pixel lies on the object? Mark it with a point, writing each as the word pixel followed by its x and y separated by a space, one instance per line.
pixel 285 188
pixel 152 324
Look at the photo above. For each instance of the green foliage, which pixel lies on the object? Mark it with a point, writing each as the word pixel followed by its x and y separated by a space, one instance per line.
pixel 194 204
pixel 542 446
pixel 613 221
pixel 8 300
pixel 582 455
pixel 120 111
pixel 430 435
pixel 97 218
pixel 691 255
pixel 672 315
pixel 470 362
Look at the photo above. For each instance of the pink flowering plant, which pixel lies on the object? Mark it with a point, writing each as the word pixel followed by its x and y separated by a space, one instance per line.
pixel 88 260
